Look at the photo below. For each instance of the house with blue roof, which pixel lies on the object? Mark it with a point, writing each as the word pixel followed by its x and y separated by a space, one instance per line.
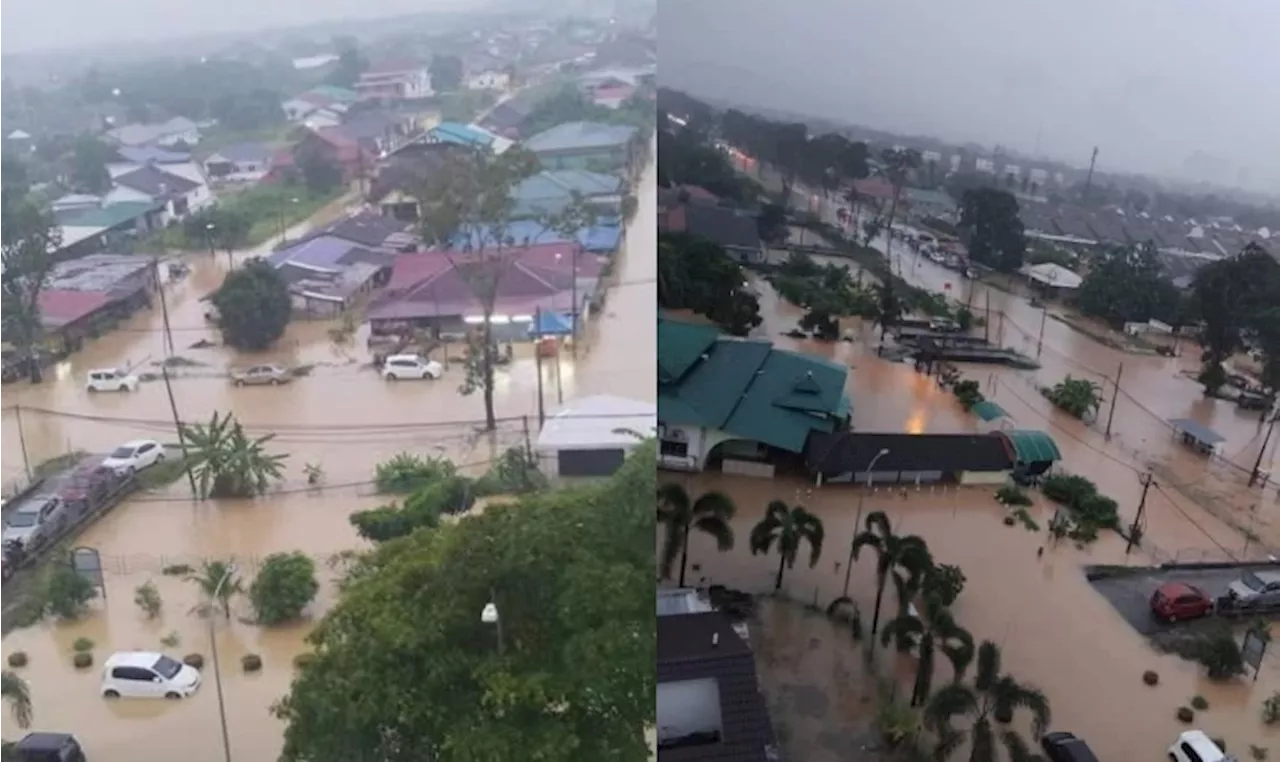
pixel 551 191
pixel 603 237
pixel 591 146
pixel 468 135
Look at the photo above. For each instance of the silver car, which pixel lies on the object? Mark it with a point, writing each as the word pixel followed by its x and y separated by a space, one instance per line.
pixel 1256 588
pixel 35 523
pixel 260 375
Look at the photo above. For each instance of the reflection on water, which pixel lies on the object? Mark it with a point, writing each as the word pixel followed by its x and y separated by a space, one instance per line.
pixel 341 417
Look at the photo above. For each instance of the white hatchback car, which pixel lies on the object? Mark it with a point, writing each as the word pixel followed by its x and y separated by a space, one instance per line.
pixel 410 366
pixel 111 380
pixel 1196 746
pixel 147 674
pixel 134 456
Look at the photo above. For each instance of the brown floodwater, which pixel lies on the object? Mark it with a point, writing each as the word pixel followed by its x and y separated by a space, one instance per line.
pixel 342 417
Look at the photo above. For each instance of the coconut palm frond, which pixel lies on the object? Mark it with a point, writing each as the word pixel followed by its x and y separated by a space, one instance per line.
pixel 954 700
pixel 18 695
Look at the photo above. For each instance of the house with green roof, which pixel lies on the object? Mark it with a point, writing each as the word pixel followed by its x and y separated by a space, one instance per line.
pixel 740 402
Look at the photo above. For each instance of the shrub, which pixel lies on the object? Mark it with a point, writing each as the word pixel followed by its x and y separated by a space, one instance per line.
pixel 194 660
pixel 251 662
pixel 514 473
pixel 18 659
pixel 285 585
pixel 171 640
pixel 1185 715
pixel 1150 677
pixel 1220 655
pixel 943 583
pixel 304 660
pixel 177 570
pixel 1012 495
pixel 1028 522
pixel 148 599
pixel 1099 510
pixel 1271 709
pixel 1199 703
pixel 1067 489
pixel 82 644
pixel 423 508
pixel 67 592
pixel 82 660
pixel 405 473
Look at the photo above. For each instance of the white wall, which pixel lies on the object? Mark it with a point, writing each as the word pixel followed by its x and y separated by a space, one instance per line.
pixel 190 137
pixel 120 194
pixel 984 477
pixel 489 80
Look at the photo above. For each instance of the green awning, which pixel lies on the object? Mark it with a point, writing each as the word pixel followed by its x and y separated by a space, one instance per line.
pixel 988 410
pixel 1033 446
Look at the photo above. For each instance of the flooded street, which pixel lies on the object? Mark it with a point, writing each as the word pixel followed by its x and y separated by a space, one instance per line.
pixel 342 416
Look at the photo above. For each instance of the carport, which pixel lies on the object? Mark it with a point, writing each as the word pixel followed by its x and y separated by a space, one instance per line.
pixel 1196 435
pixel 847 456
pixel 1034 451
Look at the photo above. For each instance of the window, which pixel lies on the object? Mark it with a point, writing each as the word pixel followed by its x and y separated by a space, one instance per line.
pixel 122 452
pixel 675 449
pixel 1190 753
pixel 132 673
pixel 146 448
pixel 167 667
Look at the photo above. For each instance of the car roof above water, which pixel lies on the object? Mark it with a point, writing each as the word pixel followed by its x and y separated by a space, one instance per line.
pixel 132 659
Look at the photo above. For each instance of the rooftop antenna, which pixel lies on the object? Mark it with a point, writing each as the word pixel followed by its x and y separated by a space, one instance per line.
pixel 1088 181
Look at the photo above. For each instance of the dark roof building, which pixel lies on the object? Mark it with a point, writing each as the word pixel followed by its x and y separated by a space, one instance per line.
pixel 156 183
pixel 369 230
pixel 735 229
pixel 710 707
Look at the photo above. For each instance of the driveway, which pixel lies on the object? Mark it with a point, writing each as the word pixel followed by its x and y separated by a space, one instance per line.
pixel 1131 595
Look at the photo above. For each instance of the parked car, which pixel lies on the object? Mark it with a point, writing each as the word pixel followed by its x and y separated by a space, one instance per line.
pixel 1066 747
pixel 1253 401
pixel 35 523
pixel 111 380
pixel 1175 601
pixel 1195 746
pixel 147 674
pixel 1256 588
pixel 411 366
pixel 48 747
pixel 90 483
pixel 134 456
pixel 261 374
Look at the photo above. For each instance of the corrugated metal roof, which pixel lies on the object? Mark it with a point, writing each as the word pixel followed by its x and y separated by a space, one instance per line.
pixel 580 136
pixel 1033 446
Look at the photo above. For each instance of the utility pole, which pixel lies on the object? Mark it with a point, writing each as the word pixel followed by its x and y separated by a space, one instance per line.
pixel 986 321
pixel 22 441
pixel 1257 464
pixel 1136 526
pixel 1044 315
pixel 164 374
pixel 537 355
pixel 1088 181
pixel 1114 396
pixel 574 314
pixel 528 440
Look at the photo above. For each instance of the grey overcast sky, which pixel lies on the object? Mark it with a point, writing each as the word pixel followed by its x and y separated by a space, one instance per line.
pixel 42 24
pixel 1151 82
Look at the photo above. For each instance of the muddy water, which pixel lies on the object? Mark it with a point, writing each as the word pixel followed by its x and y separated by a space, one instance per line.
pixel 1054 630
pixel 342 417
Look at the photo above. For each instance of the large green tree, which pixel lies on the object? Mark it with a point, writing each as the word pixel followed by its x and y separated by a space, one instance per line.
pixel 1232 295
pixel 687 158
pixel 88 169
pixel 787 529
pixel 711 513
pixel 30 236
pixel 990 224
pixel 1125 285
pixel 227 462
pixel 254 306
pixel 697 274
pixel 283 587
pixel 406 670
pixel 446 73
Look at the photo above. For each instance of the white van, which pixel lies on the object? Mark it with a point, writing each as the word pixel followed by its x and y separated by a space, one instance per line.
pixel 410 366
pixel 111 380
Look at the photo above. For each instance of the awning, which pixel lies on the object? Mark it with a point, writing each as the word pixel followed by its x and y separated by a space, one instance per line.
pixel 551 324
pixel 1033 446
pixel 1197 431
pixel 988 411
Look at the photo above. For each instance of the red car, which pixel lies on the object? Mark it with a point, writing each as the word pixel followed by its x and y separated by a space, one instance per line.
pixel 1174 601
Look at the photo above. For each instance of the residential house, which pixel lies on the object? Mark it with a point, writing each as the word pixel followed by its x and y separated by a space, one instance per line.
pixel 178 196
pixel 877 190
pixel 737 231
pixel 239 162
pixel 553 191
pixel 326 275
pixel 324 104
pixel 400 178
pixel 178 131
pixel 611 94
pixel 584 145
pixel 377 131
pixel 85 296
pixel 487 73
pixel 73 204
pixel 335 146
pixel 602 237
pixel 710 705
pixel 129 158
pixel 922 203
pixel 739 403
pixel 509 115
pixel 99 228
pixel 369 230
pixel 433 289
pixel 399 79
pixel 468 135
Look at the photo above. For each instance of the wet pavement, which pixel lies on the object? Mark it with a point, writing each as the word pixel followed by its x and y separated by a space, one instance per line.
pixel 1131 595
pixel 342 417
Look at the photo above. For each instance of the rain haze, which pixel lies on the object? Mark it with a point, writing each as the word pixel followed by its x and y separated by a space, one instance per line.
pixel 1178 88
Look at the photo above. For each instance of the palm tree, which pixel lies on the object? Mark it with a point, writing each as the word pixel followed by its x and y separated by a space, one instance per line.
pixel 787 527
pixel 934 630
pixel 888 306
pixel 992 698
pixel 1077 396
pixel 226 462
pixel 710 513
pixel 217 580
pixel 908 553
pixel 18 695
pixel 898 164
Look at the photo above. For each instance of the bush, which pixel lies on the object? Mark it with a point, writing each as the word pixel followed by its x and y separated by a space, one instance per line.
pixel 251 662
pixel 177 570
pixel 1098 510
pixel 1199 703
pixel 285 585
pixel 194 660
pixel 67 592
pixel 1028 522
pixel 514 473
pixel 943 583
pixel 148 599
pixel 1271 709
pixel 423 508
pixel 1185 715
pixel 82 660
pixel 82 644
pixel 18 659
pixel 304 660
pixel 1012 495
pixel 1067 489
pixel 405 473
pixel 1220 655
pixel 1150 677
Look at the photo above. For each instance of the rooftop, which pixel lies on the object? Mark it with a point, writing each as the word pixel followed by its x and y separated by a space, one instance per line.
pixel 580 136
pixel 598 421
pixel 110 216
pixel 142 134
pixel 723 225
pixel 243 153
pixel 155 182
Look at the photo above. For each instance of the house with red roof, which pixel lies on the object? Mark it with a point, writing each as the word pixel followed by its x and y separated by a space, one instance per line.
pixel 435 289
pixel 395 80
pixel 334 144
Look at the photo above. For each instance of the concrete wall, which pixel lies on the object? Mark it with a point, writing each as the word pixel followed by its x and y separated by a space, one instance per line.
pixel 984 477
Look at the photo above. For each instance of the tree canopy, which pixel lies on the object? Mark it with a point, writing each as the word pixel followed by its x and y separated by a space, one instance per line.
pixel 446 73
pixel 1125 285
pixel 1237 298
pixel 29 234
pixel 685 159
pixel 88 169
pixel 696 274
pixel 405 670
pixel 989 219
pixel 316 171
pixel 283 587
pixel 254 306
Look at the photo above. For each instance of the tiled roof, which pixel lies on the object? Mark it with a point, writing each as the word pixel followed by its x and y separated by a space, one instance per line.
pixel 580 136
pixel 155 182
pixel 59 307
pixel 109 217
pixel 327 252
pixel 244 153
pixel 745 388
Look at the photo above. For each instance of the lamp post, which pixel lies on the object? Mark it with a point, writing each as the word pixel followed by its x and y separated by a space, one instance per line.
pixel 857 526
pixel 217 668
pixel 284 231
pixel 489 615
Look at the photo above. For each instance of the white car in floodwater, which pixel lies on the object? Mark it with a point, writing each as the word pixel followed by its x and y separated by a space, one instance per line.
pixel 134 456
pixel 411 366
pixel 147 674
pixel 111 380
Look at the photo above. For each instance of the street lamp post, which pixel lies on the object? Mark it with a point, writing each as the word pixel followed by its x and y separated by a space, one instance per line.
pixel 857 526
pixel 284 231
pixel 209 227
pixel 489 615
pixel 217 668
